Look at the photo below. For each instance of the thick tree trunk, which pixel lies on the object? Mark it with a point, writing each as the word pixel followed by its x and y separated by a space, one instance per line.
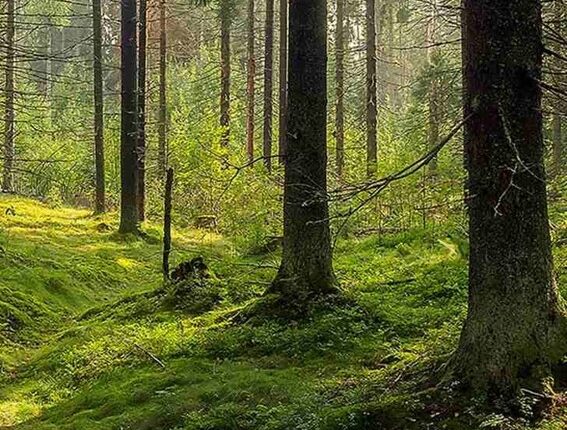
pixel 129 120
pixel 162 120
pixel 268 84
pixel 9 115
pixel 283 80
pixel 340 89
pixel 100 204
pixel 251 82
pixel 371 91
pixel 141 150
pixel 306 268
pixel 514 330
pixel 225 18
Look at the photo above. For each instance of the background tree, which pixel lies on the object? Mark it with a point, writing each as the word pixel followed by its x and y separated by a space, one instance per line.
pixel 251 81
pixel 9 96
pixel 141 141
pixel 225 22
pixel 129 119
pixel 283 79
pixel 371 90
pixel 268 83
pixel 100 204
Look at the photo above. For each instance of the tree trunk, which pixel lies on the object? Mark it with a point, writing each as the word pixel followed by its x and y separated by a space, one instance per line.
pixel 268 83
pixel 283 80
pixel 515 326
pixel 225 71
pixel 129 120
pixel 251 83
pixel 558 149
pixel 100 204
pixel 9 115
pixel 340 88
pixel 141 150
pixel 371 91
pixel 167 224
pixel 306 268
pixel 162 120
pixel 433 99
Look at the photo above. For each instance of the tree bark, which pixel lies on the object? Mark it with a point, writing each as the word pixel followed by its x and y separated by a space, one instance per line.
pixel 340 89
pixel 225 18
pixel 433 96
pixel 167 224
pixel 100 204
pixel 558 150
pixel 141 149
pixel 129 120
pixel 251 82
pixel 371 91
pixel 9 114
pixel 515 327
pixel 306 267
pixel 283 80
pixel 268 84
pixel 162 120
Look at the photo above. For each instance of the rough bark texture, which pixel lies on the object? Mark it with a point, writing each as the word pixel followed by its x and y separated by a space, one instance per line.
pixel 433 96
pixel 162 120
pixel 371 91
pixel 558 147
pixel 340 89
pixel 283 80
pixel 306 268
pixel 514 330
pixel 251 82
pixel 225 12
pixel 9 115
pixel 268 84
pixel 129 120
pixel 141 149
pixel 167 224
pixel 100 204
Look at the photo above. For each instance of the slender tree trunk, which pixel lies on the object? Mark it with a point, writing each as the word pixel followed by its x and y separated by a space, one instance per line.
pixel 340 88
pixel 283 80
pixel 162 120
pixel 167 224
pixel 225 71
pixel 141 150
pixel 268 84
pixel 100 204
pixel 306 268
pixel 129 120
pixel 371 91
pixel 251 82
pixel 9 114
pixel 433 96
pixel 515 328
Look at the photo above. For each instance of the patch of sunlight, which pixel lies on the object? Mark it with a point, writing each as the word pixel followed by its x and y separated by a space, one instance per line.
pixel 12 413
pixel 127 263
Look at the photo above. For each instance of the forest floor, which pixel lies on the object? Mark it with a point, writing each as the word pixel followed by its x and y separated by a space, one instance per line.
pixel 91 340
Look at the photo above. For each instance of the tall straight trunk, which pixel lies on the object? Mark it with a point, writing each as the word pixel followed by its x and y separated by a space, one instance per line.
pixel 9 115
pixel 558 149
pixel 129 120
pixel 100 204
pixel 141 150
pixel 371 91
pixel 515 327
pixel 340 89
pixel 268 83
pixel 306 267
pixel 225 18
pixel 251 82
pixel 433 96
pixel 162 117
pixel 167 224
pixel 283 80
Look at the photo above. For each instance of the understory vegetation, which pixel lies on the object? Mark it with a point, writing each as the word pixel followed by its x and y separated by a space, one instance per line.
pixel 94 340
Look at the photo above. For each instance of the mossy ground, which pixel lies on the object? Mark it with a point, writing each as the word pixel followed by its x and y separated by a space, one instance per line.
pixel 86 330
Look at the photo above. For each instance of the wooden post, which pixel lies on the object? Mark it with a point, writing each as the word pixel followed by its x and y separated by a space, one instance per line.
pixel 167 224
